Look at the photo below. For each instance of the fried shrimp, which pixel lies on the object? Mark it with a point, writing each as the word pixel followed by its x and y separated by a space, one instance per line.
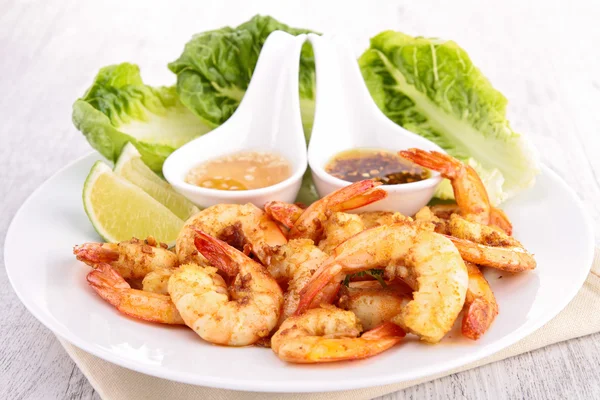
pixel 293 264
pixel 461 228
pixel 132 259
pixel 426 261
pixel 329 334
pixel 498 219
pixel 480 305
pixel 239 225
pixel 372 219
pixel 427 216
pixel 236 316
pixel 310 223
pixel 339 227
pixel 157 281
pixel 511 259
pixel 469 191
pixel 147 306
pixel 373 304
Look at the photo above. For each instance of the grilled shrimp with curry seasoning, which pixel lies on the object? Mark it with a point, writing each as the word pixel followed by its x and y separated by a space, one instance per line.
pixel 426 261
pixel 152 307
pixel 131 259
pixel 328 334
pixel 238 315
pixel 240 225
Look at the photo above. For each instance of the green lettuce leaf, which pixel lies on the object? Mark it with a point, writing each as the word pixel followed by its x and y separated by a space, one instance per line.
pixel 215 68
pixel 119 108
pixel 432 88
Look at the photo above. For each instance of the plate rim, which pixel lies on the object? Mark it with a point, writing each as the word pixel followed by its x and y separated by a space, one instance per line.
pixel 297 386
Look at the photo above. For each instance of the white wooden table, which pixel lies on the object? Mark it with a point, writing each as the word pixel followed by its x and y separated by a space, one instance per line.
pixel 543 56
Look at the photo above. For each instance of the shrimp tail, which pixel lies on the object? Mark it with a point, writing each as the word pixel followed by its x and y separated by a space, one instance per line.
pixel 357 195
pixel 481 307
pixel 218 253
pixel 152 307
pixel 285 213
pixel 327 295
pixel 387 329
pixel 316 286
pixel 478 317
pixel 500 220
pixel 106 282
pixel 105 276
pixel 95 253
pixel 444 164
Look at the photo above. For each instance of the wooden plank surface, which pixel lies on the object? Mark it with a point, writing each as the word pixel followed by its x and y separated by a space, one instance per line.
pixel 541 54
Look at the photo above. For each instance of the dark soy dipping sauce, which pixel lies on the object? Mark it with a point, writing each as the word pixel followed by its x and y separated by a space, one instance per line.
pixel 381 165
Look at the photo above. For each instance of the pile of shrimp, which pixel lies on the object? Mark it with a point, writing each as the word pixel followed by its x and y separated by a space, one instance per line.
pixel 302 280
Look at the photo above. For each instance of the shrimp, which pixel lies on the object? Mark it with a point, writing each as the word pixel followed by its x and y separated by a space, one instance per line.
pixel 284 213
pixel 240 225
pixel 426 261
pixel 511 259
pixel 147 306
pixel 157 281
pixel 426 216
pixel 132 259
pixel 444 211
pixel 329 334
pixel 498 219
pixel 339 227
pixel 462 228
pixel 481 307
pixel 373 304
pixel 287 214
pixel 310 223
pixel 469 192
pixel 372 219
pixel 235 316
pixel 294 263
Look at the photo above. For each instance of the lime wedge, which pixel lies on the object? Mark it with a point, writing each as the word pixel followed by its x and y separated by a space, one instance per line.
pixel 119 210
pixel 131 167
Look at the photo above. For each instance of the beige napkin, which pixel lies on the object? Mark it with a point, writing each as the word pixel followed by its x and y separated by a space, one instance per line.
pixel 579 318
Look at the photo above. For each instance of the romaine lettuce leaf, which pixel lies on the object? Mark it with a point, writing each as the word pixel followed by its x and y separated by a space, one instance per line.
pixel 215 68
pixel 432 88
pixel 119 108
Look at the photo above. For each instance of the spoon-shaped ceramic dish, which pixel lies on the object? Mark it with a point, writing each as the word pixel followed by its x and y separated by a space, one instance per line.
pixel 267 119
pixel 346 117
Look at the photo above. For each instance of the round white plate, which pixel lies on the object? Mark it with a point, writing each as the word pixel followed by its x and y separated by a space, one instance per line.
pixel 548 219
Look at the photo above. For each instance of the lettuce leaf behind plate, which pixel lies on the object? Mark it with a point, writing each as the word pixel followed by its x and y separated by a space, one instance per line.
pixel 432 88
pixel 119 108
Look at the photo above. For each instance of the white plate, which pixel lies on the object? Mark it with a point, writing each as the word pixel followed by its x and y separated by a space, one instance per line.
pixel 548 219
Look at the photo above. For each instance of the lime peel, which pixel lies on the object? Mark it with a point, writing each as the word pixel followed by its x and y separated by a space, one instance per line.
pixel 119 210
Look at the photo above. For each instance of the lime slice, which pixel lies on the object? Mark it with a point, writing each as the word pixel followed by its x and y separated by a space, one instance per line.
pixel 119 210
pixel 131 167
